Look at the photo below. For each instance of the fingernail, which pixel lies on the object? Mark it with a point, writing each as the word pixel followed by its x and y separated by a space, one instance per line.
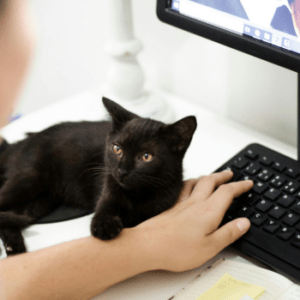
pixel 251 181
pixel 227 170
pixel 243 225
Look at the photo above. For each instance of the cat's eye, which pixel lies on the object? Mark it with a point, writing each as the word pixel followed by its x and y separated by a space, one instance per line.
pixel 147 157
pixel 117 149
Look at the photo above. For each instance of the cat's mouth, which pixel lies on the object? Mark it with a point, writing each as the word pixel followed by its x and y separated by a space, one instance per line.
pixel 121 180
pixel 122 184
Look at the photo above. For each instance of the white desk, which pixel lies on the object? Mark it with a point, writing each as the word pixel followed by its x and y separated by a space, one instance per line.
pixel 216 140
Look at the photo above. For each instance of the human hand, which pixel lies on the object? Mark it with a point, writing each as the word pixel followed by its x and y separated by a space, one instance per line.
pixel 187 235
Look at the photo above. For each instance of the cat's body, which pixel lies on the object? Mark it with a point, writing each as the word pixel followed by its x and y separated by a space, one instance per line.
pixel 93 165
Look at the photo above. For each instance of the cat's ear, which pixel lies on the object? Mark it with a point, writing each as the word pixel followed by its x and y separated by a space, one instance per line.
pixel 120 116
pixel 181 133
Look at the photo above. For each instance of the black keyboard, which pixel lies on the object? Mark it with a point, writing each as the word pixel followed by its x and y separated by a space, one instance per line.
pixel 272 206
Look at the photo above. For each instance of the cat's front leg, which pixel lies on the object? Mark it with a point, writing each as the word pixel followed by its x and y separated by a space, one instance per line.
pixel 109 219
pixel 106 227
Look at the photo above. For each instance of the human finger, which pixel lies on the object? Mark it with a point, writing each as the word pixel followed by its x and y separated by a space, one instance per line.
pixel 188 186
pixel 228 234
pixel 207 184
pixel 222 198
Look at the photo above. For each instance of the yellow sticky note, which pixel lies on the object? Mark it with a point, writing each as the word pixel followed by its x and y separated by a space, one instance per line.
pixel 229 288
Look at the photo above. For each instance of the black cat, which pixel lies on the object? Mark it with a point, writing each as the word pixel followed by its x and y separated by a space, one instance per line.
pixel 126 170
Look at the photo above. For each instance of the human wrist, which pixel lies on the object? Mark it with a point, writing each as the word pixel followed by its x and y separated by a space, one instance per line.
pixel 146 247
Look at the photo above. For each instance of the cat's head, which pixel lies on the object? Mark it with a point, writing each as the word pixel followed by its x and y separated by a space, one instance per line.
pixel 144 152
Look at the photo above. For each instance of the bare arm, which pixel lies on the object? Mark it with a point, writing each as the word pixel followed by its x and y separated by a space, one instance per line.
pixel 78 269
pixel 179 239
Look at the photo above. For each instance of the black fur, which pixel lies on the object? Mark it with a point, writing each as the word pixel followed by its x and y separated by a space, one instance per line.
pixel 75 164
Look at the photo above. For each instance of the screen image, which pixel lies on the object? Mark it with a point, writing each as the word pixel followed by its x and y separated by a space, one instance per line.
pixel 276 22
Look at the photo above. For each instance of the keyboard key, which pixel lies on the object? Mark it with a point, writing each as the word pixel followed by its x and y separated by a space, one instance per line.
pixel 278 181
pixel 228 218
pixel 260 187
pixel 271 226
pixel 236 175
pixel 265 160
pixel 251 154
pixel 248 198
pixel 265 175
pixel 258 219
pixel 277 212
pixel 235 205
pixel 272 194
pixel 296 241
pixel 291 172
pixel 224 168
pixel 296 207
pixel 264 205
pixel 240 162
pixel 298 226
pixel 291 219
pixel 245 211
pixel 247 178
pixel 291 186
pixel 253 168
pixel 286 200
pixel 298 195
pixel 278 166
pixel 285 233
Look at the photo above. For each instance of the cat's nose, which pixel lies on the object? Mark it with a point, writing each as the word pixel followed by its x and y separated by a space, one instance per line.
pixel 122 172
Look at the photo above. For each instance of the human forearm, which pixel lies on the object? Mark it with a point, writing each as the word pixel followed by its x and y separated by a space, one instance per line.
pixel 79 269
pixel 179 239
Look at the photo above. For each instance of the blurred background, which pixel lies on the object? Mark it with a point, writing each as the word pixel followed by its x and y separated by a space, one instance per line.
pixel 70 59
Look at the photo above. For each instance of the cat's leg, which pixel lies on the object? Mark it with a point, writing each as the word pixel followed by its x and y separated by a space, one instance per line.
pixel 11 236
pixel 13 240
pixel 107 222
pixel 18 191
pixel 37 208
pixel 41 206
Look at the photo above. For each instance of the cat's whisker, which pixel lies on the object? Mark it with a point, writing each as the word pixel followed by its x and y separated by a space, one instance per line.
pixel 165 187
pixel 97 171
pixel 98 168
pixel 155 182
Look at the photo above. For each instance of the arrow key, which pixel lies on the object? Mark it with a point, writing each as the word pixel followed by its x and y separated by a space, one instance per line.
pixel 271 226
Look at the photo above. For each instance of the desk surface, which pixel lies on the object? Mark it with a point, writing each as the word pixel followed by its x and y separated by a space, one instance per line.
pixel 216 140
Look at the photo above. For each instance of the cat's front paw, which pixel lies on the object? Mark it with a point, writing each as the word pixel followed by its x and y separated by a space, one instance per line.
pixel 13 241
pixel 106 227
pixel 15 249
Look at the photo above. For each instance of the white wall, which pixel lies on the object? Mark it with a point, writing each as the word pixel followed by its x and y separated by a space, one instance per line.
pixel 69 54
pixel 70 59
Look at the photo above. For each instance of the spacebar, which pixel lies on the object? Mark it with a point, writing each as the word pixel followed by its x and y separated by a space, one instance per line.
pixel 273 245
